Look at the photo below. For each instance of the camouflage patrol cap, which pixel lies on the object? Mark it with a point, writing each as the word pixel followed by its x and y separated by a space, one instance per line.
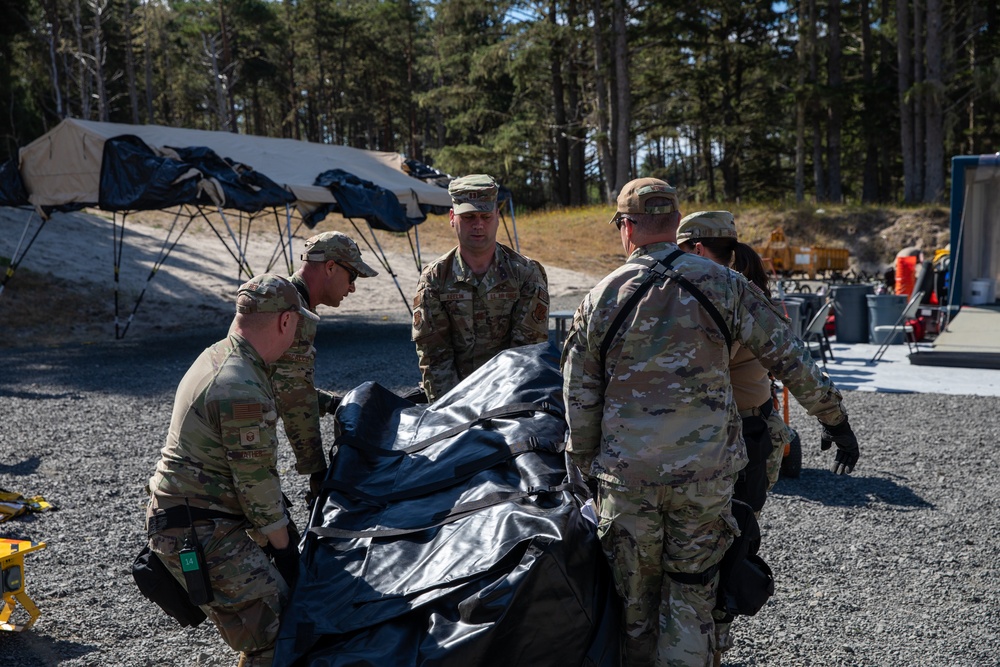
pixel 633 197
pixel 706 225
pixel 476 192
pixel 270 293
pixel 339 248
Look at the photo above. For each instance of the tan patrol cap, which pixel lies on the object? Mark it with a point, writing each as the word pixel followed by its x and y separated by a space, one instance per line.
pixel 633 197
pixel 706 225
pixel 270 293
pixel 339 248
pixel 472 193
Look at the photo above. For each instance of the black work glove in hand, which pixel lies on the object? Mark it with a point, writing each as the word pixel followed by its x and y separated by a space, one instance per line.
pixel 286 561
pixel 847 446
pixel 315 486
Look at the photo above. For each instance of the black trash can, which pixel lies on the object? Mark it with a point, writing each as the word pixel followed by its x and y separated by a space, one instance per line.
pixel 851 312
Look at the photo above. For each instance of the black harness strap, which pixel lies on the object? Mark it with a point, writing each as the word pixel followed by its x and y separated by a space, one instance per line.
pixel 442 518
pixel 658 271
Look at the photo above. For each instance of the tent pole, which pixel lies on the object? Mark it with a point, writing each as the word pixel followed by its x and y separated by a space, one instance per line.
pixel 415 251
pixel 164 253
pixel 239 260
pixel 242 259
pixel 119 244
pixel 383 260
pixel 513 223
pixel 16 260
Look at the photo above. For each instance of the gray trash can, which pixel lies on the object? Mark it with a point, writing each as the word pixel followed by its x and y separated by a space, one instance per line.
pixel 883 311
pixel 794 313
pixel 811 304
pixel 851 312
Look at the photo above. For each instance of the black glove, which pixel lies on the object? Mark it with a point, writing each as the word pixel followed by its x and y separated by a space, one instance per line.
pixel 847 446
pixel 286 561
pixel 334 404
pixel 315 486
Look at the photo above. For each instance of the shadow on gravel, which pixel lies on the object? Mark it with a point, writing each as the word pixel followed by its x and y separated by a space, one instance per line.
pixel 153 366
pixel 34 649
pixel 849 490
pixel 25 467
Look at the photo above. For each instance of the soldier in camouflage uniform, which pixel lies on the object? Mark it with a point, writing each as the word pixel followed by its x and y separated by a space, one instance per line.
pixel 331 264
pixel 712 234
pixel 218 467
pixel 478 299
pixel 657 426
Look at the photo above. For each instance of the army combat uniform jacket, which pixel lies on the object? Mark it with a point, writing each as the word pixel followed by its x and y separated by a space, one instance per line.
pixel 662 411
pixel 221 450
pixel 300 404
pixel 460 322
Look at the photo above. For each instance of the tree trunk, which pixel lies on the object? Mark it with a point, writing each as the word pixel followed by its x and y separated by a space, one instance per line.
pixel 561 167
pixel 147 31
pixel 934 92
pixel 100 53
pixel 817 128
pixel 577 132
pixel 918 102
pixel 83 72
pixel 835 117
pixel 601 94
pixel 227 70
pixel 869 179
pixel 801 52
pixel 623 105
pixel 290 124
pixel 52 41
pixel 133 91
pixel 211 48
pixel 904 51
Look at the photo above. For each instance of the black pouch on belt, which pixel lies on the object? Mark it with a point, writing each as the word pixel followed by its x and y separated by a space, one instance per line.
pixel 157 584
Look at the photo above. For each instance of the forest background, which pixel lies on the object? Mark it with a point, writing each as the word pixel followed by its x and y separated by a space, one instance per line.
pixel 562 100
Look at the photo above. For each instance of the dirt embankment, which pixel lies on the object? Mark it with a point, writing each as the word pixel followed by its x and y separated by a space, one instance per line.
pixel 872 235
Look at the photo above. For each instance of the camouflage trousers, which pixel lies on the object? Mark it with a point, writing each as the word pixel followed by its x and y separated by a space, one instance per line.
pixel 650 532
pixel 249 592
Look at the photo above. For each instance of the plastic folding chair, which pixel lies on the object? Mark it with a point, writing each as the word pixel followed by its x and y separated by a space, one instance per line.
pixel 909 313
pixel 815 333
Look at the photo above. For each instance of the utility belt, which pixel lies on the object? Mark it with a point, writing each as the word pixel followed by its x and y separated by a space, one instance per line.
pixel 182 517
pixel 763 410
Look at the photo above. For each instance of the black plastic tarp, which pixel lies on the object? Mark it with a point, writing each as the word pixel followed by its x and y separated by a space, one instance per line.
pixel 452 534
pixel 136 178
pixel 358 198
pixel 12 192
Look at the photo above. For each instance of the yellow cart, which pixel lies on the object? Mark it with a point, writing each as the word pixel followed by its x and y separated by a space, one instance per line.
pixel 12 582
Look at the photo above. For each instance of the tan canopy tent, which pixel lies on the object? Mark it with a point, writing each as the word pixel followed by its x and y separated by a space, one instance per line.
pixel 127 168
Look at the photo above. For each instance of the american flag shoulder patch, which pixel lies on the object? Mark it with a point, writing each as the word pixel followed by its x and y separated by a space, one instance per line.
pixel 247 411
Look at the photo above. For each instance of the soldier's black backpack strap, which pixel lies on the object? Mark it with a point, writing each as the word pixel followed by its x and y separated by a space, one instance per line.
pixel 659 271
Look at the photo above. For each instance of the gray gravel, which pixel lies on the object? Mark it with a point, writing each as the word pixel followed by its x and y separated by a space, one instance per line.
pixel 896 565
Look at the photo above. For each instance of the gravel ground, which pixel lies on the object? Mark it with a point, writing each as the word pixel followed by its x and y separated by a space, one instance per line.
pixel 896 565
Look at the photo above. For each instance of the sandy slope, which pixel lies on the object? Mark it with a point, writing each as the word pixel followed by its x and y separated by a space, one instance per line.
pixel 195 286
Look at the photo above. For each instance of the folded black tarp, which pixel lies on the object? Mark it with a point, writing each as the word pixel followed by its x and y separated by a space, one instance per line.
pixel 12 192
pixel 135 178
pixel 452 534
pixel 358 198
